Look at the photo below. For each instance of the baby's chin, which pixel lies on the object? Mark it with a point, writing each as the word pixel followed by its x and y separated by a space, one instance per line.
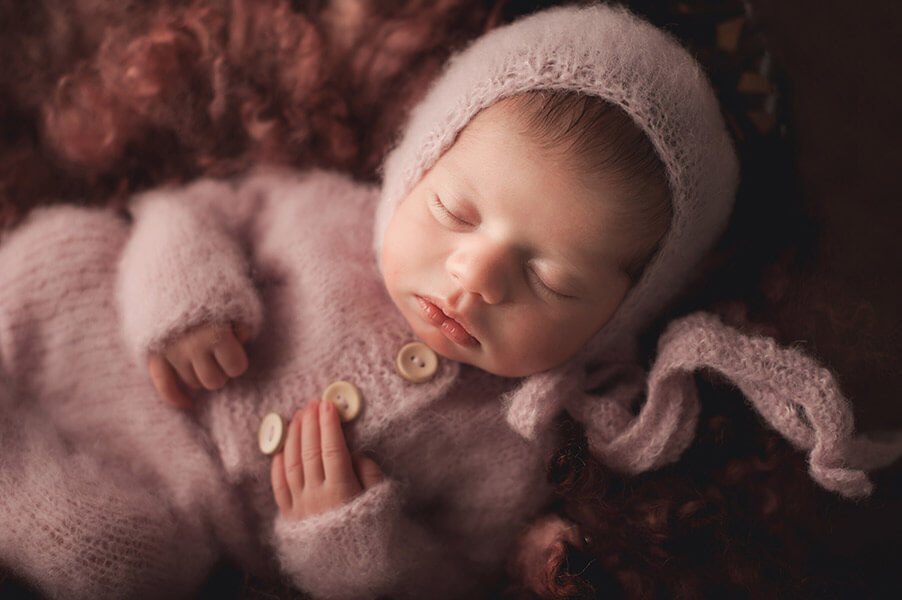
pixel 441 345
pixel 481 358
pixel 518 366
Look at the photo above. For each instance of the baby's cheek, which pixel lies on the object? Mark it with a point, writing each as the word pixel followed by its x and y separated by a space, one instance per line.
pixel 550 344
pixel 524 350
pixel 392 263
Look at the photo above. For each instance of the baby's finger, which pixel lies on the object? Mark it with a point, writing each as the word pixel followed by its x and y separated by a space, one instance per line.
pixel 280 488
pixel 231 356
pixel 294 468
pixel 208 372
pixel 336 458
pixel 166 383
pixel 186 373
pixel 311 451
pixel 368 471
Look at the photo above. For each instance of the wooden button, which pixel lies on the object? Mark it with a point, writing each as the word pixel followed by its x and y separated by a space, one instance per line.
pixel 416 362
pixel 271 436
pixel 346 398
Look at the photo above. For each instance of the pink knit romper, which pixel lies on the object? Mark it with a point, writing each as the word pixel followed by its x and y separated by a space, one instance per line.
pixel 107 492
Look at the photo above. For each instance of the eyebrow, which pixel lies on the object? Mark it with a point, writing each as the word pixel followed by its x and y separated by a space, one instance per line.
pixel 460 179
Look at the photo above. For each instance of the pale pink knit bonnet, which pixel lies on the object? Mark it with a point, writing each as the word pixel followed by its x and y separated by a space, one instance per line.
pixel 607 52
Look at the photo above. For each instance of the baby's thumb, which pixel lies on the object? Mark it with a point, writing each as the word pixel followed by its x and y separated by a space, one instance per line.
pixel 368 471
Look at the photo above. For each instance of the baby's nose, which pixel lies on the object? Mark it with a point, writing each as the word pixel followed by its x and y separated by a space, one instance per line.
pixel 482 268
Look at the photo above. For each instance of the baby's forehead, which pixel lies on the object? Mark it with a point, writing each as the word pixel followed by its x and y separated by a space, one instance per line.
pixel 509 116
pixel 501 125
pixel 501 112
pixel 497 180
pixel 499 128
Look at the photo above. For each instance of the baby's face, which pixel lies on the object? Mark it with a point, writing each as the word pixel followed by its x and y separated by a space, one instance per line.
pixel 500 257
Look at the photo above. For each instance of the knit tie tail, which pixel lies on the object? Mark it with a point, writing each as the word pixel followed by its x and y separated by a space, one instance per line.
pixel 876 451
pixel 794 394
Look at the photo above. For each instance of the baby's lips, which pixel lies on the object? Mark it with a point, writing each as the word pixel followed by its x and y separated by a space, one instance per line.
pixel 451 327
pixel 457 332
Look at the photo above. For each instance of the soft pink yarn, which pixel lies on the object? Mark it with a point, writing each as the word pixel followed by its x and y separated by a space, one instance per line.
pixel 107 492
pixel 608 52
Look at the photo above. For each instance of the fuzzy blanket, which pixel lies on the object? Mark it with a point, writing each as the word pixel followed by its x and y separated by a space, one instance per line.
pixel 100 99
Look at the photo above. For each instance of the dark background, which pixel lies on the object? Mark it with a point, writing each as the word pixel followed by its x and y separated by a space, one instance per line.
pixel 842 79
pixel 835 285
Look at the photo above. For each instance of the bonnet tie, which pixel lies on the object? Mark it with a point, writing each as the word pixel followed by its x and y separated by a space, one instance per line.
pixel 791 391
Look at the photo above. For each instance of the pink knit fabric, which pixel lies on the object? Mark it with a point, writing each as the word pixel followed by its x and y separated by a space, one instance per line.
pixel 82 301
pixel 607 52
pixel 603 51
pixel 107 492
pixel 794 394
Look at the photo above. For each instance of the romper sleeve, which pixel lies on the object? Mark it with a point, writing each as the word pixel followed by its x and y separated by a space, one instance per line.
pixel 369 548
pixel 186 263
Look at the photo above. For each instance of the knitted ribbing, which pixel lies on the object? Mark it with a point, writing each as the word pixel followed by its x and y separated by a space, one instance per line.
pixel 606 52
pixel 287 253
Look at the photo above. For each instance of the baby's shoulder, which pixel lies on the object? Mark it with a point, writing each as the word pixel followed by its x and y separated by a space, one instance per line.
pixel 309 212
pixel 318 186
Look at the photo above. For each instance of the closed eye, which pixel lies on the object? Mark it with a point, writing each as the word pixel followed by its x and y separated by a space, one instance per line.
pixel 543 288
pixel 444 215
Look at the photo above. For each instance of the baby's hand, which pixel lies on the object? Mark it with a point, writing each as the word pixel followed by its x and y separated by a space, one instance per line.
pixel 315 472
pixel 206 356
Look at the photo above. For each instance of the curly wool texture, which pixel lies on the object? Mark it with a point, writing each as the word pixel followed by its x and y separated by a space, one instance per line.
pixel 104 99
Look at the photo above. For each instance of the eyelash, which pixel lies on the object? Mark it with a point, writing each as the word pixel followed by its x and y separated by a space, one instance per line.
pixel 543 287
pixel 439 206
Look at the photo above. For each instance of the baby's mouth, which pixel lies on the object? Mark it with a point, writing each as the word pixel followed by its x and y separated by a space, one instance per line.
pixel 453 329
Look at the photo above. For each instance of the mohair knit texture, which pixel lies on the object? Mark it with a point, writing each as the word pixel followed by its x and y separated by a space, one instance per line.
pixel 105 491
pixel 607 52
pixel 91 454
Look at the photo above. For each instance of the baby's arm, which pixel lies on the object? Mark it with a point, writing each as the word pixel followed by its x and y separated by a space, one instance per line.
pixel 342 532
pixel 184 283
